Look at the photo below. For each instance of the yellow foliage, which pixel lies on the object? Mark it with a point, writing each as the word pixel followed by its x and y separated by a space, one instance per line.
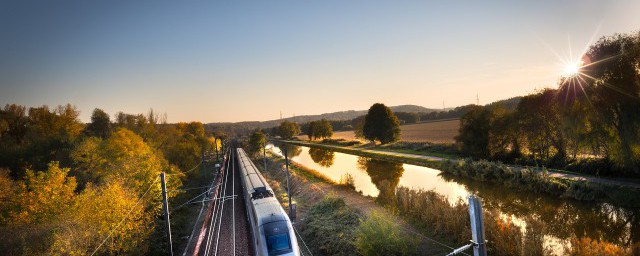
pixel 95 213
pixel 43 195
pixel 588 247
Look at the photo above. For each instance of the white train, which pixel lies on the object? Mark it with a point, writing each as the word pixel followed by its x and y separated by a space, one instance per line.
pixel 271 228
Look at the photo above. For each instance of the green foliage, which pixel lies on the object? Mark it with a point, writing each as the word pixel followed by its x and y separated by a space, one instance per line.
pixel 381 124
pixel 288 130
pixel 321 156
pixel 539 181
pixel 473 135
pixel 319 129
pixel 257 142
pixel 408 117
pixel 380 235
pixel 100 125
pixel 33 140
pixel 358 126
pixel 329 227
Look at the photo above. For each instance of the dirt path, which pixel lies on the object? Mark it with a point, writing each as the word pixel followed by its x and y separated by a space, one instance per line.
pixel 308 191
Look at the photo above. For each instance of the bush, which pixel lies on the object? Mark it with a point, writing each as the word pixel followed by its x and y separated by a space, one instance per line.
pixel 329 227
pixel 379 235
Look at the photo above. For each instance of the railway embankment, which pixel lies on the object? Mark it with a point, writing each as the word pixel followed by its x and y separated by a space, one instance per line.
pixel 318 197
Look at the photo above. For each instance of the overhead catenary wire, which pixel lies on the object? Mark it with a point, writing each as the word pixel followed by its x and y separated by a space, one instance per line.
pixel 303 242
pixel 127 215
pixel 191 200
pixel 216 207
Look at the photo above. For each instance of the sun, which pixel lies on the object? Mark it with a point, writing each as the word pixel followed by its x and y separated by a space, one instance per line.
pixel 572 69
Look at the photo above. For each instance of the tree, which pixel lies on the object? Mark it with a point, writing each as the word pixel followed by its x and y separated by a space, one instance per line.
pixel 88 222
pixel 358 124
pixel 611 69
pixel 43 195
pixel 408 117
pixel 100 125
pixel 540 122
pixel 125 157
pixel 473 135
pixel 288 130
pixel 319 129
pixel 311 129
pixel 257 142
pixel 325 129
pixel 381 124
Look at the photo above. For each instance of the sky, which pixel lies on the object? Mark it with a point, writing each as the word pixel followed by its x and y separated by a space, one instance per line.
pixel 228 61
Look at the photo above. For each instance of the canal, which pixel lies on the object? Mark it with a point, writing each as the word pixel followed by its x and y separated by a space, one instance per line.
pixel 562 218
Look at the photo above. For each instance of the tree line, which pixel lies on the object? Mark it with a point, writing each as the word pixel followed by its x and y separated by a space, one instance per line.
pixel 590 123
pixel 66 185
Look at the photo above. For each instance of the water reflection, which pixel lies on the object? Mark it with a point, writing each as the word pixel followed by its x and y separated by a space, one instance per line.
pixel 560 218
pixel 322 157
pixel 291 150
pixel 384 174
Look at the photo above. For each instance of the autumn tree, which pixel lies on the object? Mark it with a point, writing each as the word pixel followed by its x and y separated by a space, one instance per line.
pixel 43 195
pixel 125 157
pixel 89 221
pixel 381 124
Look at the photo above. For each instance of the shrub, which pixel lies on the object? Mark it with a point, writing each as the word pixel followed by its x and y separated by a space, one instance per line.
pixel 379 235
pixel 329 227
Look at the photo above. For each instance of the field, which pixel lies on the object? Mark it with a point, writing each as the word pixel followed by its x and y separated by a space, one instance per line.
pixel 438 131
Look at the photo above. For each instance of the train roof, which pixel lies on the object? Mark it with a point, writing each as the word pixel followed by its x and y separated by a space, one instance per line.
pixel 254 179
pixel 268 210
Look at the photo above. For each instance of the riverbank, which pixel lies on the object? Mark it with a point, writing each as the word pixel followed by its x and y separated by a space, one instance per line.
pixel 309 187
pixel 568 185
pixel 521 220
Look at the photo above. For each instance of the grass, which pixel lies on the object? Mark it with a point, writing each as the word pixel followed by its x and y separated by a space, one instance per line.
pixel 536 181
pixel 329 227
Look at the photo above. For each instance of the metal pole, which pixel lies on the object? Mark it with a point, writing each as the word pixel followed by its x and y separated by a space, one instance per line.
pixel 165 207
pixel 286 164
pixel 215 145
pixel 477 226
pixel 264 150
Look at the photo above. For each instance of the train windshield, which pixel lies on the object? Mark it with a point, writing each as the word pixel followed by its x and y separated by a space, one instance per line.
pixel 278 241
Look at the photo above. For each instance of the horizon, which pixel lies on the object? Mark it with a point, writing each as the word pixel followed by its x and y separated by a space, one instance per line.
pixel 220 62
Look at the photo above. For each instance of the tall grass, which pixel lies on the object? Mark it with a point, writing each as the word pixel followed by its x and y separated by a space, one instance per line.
pixel 433 214
pixel 378 235
pixel 329 227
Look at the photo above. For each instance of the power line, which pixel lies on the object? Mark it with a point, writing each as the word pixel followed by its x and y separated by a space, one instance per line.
pixel 300 236
pixel 127 215
pixel 191 200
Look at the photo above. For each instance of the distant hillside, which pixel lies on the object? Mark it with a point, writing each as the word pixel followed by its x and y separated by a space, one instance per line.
pixel 340 116
pixel 424 113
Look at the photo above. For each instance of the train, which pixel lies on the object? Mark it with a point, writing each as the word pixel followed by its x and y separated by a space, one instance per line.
pixel 271 228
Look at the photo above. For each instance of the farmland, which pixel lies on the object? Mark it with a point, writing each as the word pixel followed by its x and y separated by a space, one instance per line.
pixel 437 131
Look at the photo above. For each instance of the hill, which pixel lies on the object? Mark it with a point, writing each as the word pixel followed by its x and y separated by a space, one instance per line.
pixel 241 127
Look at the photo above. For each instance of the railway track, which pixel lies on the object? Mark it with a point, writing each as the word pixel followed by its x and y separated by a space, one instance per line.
pixel 224 229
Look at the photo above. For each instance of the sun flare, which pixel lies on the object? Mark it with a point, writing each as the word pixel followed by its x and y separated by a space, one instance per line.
pixel 572 69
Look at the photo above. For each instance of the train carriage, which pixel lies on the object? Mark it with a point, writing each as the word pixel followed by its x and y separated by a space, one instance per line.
pixel 271 227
